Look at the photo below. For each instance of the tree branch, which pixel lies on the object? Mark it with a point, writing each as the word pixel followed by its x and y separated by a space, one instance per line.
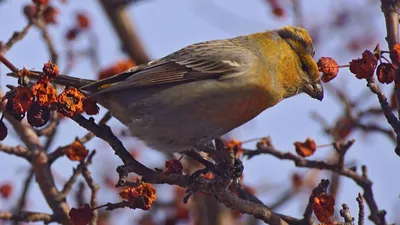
pixel 27 217
pixel 124 27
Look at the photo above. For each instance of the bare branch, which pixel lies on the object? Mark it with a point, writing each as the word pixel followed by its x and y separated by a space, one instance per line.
pixel 47 39
pixel 68 185
pixel 345 213
pixel 17 36
pixel 27 217
pixel 17 151
pixel 26 186
pixel 361 212
pixel 94 189
pixel 387 110
pixel 124 27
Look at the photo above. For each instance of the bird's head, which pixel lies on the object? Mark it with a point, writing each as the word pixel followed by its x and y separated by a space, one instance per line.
pixel 300 42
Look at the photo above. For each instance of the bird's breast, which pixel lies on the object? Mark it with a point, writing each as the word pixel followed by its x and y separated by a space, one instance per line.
pixel 182 115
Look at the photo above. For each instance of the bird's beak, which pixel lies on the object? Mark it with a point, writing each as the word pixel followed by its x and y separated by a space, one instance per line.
pixel 314 90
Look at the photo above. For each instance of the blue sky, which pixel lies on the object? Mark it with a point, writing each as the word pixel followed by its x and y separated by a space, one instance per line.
pixel 166 26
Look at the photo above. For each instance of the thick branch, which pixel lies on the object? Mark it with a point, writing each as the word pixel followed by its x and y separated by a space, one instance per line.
pixel 41 168
pixel 124 27
pixel 68 185
pixel 390 9
pixel 131 165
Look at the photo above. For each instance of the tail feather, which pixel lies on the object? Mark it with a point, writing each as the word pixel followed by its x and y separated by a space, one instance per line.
pixel 72 81
pixel 91 87
pixel 62 80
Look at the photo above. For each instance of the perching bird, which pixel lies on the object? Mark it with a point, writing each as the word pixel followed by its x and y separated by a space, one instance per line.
pixel 198 93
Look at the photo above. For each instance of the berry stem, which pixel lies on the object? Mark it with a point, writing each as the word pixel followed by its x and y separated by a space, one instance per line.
pixel 324 145
pixel 253 139
pixel 100 206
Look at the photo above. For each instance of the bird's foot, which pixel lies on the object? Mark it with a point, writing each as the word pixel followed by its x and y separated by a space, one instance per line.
pixel 209 166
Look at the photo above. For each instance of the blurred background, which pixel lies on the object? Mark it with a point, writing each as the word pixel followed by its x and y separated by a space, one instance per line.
pixel 340 29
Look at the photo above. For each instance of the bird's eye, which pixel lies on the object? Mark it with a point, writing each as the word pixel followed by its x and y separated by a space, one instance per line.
pixel 304 67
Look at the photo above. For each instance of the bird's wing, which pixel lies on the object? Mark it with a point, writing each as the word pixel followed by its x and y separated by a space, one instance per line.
pixel 208 60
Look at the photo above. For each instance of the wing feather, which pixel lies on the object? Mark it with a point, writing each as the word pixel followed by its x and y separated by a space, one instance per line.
pixel 207 60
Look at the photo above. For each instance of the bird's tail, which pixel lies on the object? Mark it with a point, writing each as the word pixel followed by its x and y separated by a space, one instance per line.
pixel 61 79
pixel 91 87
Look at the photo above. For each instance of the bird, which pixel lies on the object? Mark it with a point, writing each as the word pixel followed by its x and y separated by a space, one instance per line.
pixel 201 92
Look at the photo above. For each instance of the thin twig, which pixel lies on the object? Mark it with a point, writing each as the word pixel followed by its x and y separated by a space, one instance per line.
pixel 94 187
pixel 19 35
pixel 26 188
pixel 361 180
pixel 47 39
pixel 361 212
pixel 107 116
pixel 71 181
pixel 17 151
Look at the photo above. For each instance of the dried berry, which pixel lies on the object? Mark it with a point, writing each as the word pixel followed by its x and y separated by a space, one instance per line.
pixel 306 148
pixel 50 69
pixel 278 11
pixel 343 127
pixel 276 7
pixel 81 216
pixel 72 33
pixel 6 190
pixel 173 166
pixel 29 11
pixel 50 14
pixel 10 110
pixel 328 67
pixel 323 207
pixel 297 181
pixel 209 175
pixel 23 99
pixel 386 73
pixel 3 130
pixel 145 191
pixel 82 20
pixel 41 2
pixel 118 67
pixel 395 54
pixel 90 106
pixel 45 93
pixel 37 115
pixel 364 67
pixel 24 72
pixel 76 151
pixel 70 102
pixel 235 146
